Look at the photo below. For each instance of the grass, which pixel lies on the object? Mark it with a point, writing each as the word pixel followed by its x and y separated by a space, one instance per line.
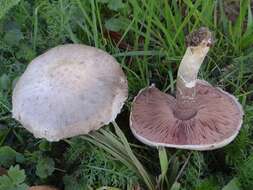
pixel 147 39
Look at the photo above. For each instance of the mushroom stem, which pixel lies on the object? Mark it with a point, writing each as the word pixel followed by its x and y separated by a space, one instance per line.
pixel 198 44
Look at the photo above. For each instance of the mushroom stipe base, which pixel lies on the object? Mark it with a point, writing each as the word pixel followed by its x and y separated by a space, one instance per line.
pixel 215 125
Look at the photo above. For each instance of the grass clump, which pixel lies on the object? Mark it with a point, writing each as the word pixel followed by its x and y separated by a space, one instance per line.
pixel 90 166
pixel 245 173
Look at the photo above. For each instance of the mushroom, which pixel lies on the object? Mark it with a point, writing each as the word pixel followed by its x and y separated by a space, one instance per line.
pixel 201 117
pixel 69 90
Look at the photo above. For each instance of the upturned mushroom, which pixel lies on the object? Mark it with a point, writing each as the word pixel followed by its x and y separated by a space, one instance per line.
pixel 69 90
pixel 201 117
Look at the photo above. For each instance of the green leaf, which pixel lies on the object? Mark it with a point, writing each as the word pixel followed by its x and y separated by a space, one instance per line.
pixel 6 5
pixel 16 175
pixel 247 38
pixel 7 156
pixel 45 167
pixel 25 52
pixel 208 184
pixel 117 24
pixel 164 165
pixel 4 82
pixel 115 5
pixel 21 187
pixel 5 181
pixel 163 161
pixel 14 180
pixel 232 185
pixel 13 36
pixel 45 145
pixel 176 186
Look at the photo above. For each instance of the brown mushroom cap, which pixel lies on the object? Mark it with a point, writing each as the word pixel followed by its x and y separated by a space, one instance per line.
pixel 216 123
pixel 68 91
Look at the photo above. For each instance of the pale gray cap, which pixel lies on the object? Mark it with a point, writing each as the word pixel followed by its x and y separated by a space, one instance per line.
pixel 69 90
